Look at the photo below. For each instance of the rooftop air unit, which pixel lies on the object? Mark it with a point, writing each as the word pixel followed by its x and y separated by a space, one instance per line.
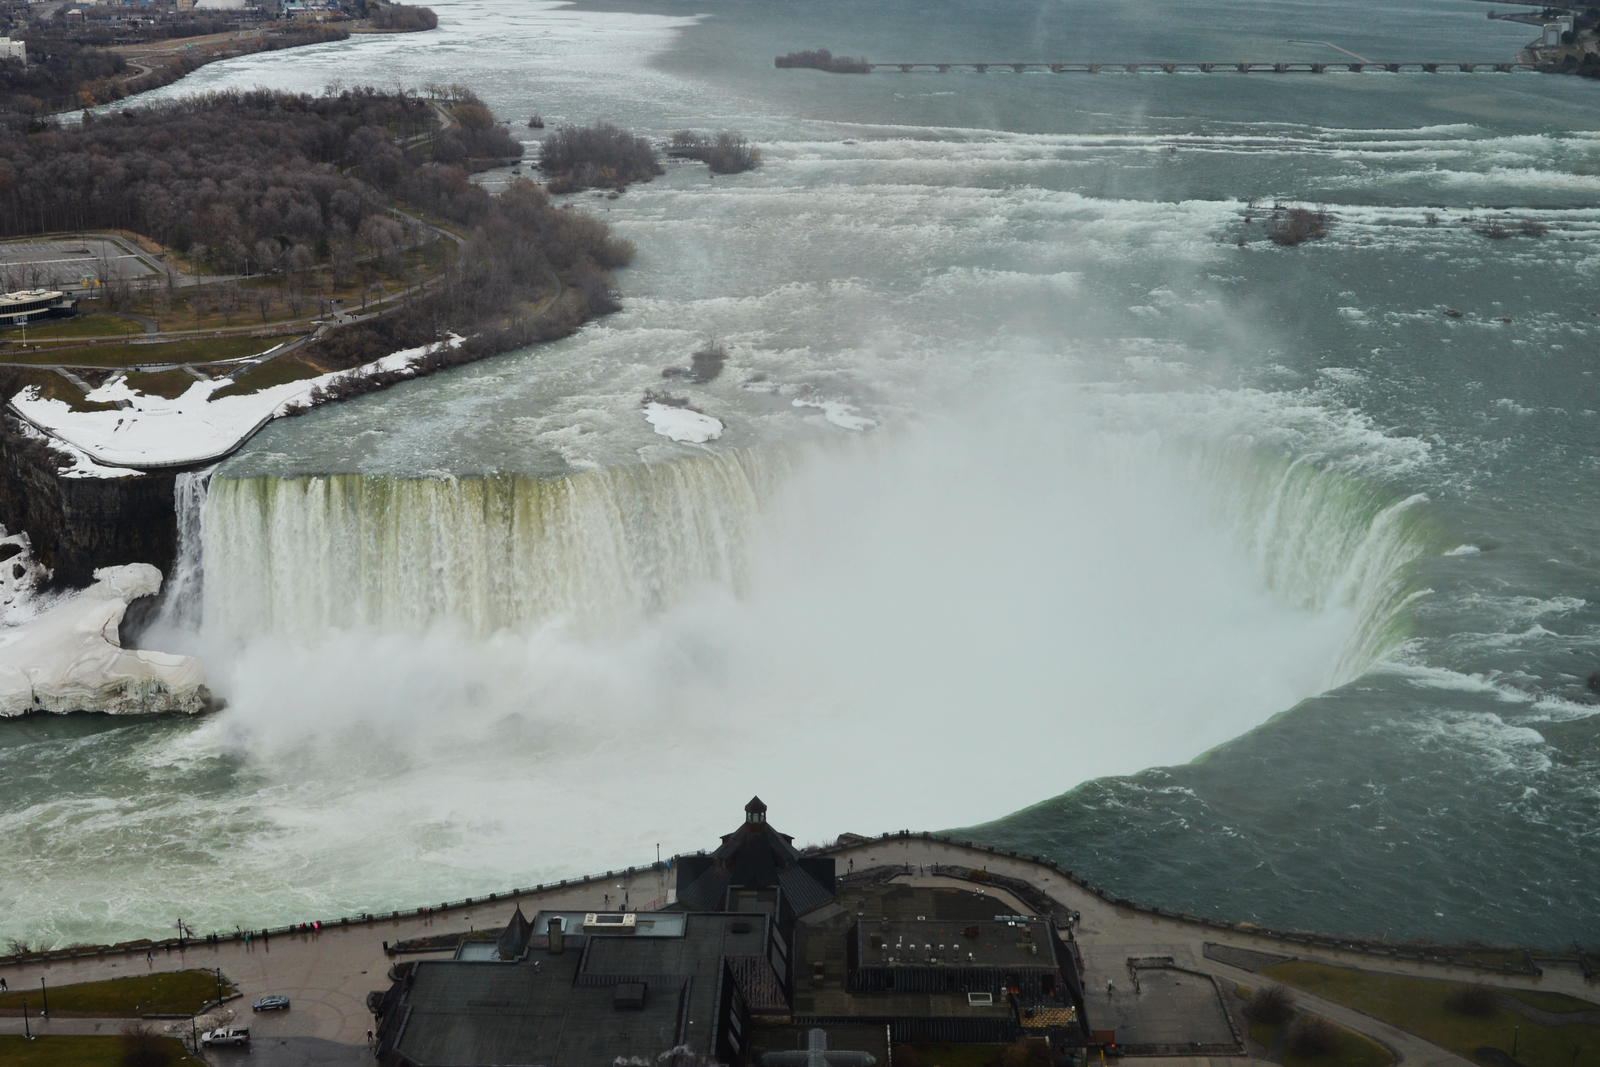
pixel 610 922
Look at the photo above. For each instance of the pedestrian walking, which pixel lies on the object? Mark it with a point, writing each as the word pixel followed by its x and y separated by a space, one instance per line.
pixel 3 986
pixel 1110 987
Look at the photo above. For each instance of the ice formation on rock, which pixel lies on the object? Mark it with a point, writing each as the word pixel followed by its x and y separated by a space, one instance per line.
pixel 69 658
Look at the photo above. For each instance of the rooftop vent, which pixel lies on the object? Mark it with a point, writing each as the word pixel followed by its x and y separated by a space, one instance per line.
pixel 628 996
pixel 610 922
pixel 980 1000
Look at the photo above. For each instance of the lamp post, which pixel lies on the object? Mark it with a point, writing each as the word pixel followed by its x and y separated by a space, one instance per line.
pixel 27 1032
pixel 46 996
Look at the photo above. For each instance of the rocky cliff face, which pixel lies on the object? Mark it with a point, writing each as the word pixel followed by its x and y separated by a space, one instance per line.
pixel 79 524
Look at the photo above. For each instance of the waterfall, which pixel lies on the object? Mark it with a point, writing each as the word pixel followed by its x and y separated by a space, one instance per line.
pixel 1324 539
pixel 297 556
pixel 183 598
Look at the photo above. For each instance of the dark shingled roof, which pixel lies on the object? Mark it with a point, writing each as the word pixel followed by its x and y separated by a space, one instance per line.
pixel 755 856
pixel 759 983
pixel 515 939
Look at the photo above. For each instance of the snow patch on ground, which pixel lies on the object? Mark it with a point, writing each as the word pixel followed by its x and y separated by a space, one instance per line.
pixel 194 428
pixel 69 658
pixel 682 424
pixel 838 413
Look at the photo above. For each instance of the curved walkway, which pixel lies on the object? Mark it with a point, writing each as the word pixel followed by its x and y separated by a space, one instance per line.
pixel 328 974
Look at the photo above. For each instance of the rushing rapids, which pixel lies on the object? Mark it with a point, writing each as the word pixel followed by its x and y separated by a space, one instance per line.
pixel 1127 482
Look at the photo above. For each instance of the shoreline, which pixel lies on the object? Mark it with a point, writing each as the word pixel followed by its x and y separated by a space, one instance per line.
pixel 336 973
pixel 1416 951
pixel 167 62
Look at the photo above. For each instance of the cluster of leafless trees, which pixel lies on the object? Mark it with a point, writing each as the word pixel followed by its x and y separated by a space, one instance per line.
pixel 66 71
pixel 530 272
pixel 601 156
pixel 726 153
pixel 822 59
pixel 401 17
pixel 244 182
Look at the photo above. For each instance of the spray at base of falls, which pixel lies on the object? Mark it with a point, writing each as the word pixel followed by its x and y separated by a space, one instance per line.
pixel 300 556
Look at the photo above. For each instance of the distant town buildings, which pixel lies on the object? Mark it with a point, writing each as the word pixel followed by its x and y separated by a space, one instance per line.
pixel 10 49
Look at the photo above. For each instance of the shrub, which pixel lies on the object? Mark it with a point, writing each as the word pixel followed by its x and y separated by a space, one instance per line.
pixel 708 361
pixel 726 153
pixel 1297 224
pixel 822 59
pixel 583 157
pixel 1476 1000
pixel 1313 1036
pixel 1273 1005
pixel 402 17
pixel 139 1047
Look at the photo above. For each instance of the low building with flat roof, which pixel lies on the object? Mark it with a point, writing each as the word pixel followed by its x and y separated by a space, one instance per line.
pixel 764 959
pixel 23 307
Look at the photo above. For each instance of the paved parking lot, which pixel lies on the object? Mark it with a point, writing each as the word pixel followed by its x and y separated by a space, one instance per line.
pixel 55 263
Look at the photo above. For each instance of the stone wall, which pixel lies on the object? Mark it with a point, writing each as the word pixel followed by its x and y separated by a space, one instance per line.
pixel 79 524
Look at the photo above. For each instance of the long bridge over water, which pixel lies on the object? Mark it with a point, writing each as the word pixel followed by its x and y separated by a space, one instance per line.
pixel 1160 67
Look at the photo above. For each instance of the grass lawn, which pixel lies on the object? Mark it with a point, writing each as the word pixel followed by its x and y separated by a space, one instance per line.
pixel 196 350
pixel 279 371
pixel 79 326
pixel 1355 1050
pixel 1264 1034
pixel 75 1051
pixel 1419 1005
pixel 166 993
pixel 168 383
pixel 52 386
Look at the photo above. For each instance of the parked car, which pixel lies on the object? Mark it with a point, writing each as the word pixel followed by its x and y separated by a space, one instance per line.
pixel 226 1035
pixel 272 1003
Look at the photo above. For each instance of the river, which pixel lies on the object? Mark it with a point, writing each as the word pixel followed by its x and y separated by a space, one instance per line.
pixel 1054 500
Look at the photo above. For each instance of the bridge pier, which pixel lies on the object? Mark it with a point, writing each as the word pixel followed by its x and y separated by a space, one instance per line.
pixel 1430 68
pixel 1205 68
pixel 944 68
pixel 981 68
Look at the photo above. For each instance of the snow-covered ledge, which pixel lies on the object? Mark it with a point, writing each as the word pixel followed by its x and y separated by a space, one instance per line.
pixel 152 432
pixel 69 658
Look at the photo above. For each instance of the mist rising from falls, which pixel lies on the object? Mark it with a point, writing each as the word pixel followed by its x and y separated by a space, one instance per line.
pixel 898 619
